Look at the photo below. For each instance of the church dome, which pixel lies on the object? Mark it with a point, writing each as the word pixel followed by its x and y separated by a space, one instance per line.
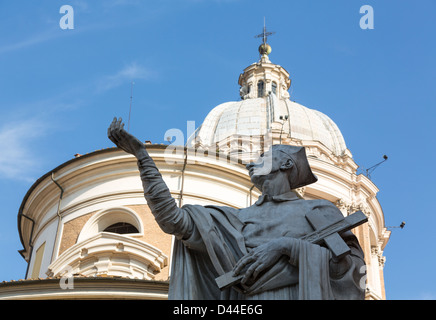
pixel 255 117
pixel 265 110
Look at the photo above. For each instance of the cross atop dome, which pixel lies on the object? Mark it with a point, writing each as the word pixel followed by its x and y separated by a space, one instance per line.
pixel 264 34
pixel 264 48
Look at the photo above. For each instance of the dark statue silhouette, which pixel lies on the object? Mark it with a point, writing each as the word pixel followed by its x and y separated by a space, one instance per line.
pixel 281 247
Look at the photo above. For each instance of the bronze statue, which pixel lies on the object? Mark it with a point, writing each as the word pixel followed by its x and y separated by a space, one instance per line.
pixel 260 252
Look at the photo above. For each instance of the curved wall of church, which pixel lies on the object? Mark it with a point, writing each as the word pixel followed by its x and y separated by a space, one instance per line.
pixel 102 187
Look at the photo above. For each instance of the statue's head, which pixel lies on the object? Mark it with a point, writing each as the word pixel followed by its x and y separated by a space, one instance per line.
pixel 282 159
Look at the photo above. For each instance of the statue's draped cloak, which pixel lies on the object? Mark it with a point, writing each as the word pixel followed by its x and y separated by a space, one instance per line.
pixel 212 250
pixel 216 244
pixel 209 241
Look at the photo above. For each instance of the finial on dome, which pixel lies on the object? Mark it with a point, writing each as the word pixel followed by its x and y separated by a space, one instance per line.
pixel 264 48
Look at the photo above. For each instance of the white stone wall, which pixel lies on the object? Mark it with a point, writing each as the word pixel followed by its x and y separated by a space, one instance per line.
pixel 109 179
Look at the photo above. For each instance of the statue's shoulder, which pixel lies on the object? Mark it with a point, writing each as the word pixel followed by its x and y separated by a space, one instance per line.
pixel 320 203
pixel 324 207
pixel 229 214
pixel 210 208
pixel 223 209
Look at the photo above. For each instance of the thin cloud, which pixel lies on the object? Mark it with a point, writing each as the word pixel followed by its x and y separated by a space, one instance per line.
pixel 18 157
pixel 32 41
pixel 129 73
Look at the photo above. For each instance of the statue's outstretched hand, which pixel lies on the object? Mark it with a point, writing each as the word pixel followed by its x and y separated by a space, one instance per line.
pixel 123 139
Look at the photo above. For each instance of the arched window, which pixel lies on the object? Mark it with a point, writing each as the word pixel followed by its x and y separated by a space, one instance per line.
pixel 274 87
pixel 121 228
pixel 260 89
pixel 120 220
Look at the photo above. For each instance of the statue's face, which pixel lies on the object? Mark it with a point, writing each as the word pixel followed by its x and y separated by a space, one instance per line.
pixel 266 167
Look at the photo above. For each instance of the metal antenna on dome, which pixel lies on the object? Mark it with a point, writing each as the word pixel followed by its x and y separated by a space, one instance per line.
pixel 130 108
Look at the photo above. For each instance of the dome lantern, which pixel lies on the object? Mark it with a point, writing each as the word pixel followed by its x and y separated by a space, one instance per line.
pixel 266 115
pixel 263 78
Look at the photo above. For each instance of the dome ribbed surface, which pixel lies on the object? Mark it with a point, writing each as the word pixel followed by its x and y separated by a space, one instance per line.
pixel 254 117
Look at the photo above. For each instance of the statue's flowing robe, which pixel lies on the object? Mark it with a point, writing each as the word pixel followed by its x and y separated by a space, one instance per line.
pixel 210 240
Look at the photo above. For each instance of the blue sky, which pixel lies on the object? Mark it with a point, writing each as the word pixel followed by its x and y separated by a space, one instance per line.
pixel 60 89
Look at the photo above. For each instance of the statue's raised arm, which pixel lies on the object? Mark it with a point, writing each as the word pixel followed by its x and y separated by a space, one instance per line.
pixel 168 215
